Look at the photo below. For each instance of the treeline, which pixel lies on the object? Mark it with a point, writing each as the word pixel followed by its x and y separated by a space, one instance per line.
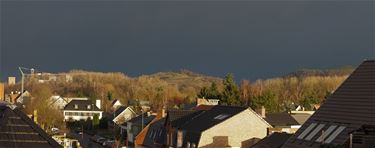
pixel 161 88
pixel 174 88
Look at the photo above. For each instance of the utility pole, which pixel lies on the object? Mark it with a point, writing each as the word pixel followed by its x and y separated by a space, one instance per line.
pixel 142 119
pixel 22 81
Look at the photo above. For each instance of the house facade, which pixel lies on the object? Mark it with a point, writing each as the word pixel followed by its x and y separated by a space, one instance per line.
pixel 77 110
pixel 241 130
pixel 123 116
pixel 59 102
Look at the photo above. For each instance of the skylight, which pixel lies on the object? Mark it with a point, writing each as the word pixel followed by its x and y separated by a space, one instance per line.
pixel 306 131
pixel 315 131
pixel 221 116
pixel 326 133
pixel 334 134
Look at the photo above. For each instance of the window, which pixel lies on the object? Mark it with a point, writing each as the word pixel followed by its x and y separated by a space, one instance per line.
pixel 221 116
pixel 75 106
pixel 326 133
pixel 315 131
pixel 306 131
pixel 334 134
pixel 88 106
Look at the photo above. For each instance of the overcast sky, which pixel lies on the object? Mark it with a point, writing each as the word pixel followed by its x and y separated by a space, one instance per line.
pixel 252 39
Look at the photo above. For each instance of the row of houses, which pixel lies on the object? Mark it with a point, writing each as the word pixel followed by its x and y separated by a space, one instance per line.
pixel 200 125
pixel 346 119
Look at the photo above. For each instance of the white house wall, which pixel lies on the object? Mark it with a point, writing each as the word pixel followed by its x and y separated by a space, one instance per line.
pixel 79 117
pixel 239 128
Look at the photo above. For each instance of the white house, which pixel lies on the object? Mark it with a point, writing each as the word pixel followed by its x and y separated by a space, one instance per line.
pixel 116 104
pixel 59 102
pixel 77 110
pixel 222 126
pixel 123 114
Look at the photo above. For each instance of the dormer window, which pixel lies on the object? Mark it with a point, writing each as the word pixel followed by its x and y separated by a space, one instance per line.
pixel 221 116
pixel 75 106
pixel 88 106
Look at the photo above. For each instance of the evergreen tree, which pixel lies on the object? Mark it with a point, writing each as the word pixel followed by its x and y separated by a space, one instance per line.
pixel 269 100
pixel 214 92
pixel 210 93
pixel 203 93
pixel 231 94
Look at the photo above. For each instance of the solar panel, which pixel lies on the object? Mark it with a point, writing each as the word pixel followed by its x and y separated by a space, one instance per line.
pixel 315 131
pixel 326 133
pixel 335 134
pixel 306 131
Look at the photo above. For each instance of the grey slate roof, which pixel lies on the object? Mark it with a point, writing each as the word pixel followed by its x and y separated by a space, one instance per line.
pixel 176 114
pixel 350 107
pixel 18 130
pixel 280 119
pixel 155 134
pixel 177 123
pixel 82 105
pixel 210 118
pixel 275 140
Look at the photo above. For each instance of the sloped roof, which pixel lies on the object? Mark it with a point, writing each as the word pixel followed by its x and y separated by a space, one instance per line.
pixel 155 133
pixel 346 110
pixel 212 117
pixel 146 119
pixel 301 118
pixel 176 114
pixel 119 110
pixel 280 119
pixel 82 105
pixel 275 140
pixel 203 107
pixel 18 130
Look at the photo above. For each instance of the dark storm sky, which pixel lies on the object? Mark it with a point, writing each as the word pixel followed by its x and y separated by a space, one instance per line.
pixel 252 39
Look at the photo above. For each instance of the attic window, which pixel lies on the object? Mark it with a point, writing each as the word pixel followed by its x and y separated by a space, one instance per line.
pixel 326 133
pixel 221 116
pixel 306 131
pixel 75 106
pixel 315 131
pixel 88 106
pixel 334 134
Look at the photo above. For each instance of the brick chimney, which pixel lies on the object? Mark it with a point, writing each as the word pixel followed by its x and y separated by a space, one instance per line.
pixel 263 112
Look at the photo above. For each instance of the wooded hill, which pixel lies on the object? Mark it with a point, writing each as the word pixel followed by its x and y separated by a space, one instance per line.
pixel 301 87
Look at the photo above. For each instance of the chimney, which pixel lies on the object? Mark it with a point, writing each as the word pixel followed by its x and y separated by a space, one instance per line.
pixel 263 112
pixel 35 116
pixel 98 104
pixel 163 112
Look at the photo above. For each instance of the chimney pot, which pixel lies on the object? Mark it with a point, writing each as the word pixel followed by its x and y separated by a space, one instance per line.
pixel 98 103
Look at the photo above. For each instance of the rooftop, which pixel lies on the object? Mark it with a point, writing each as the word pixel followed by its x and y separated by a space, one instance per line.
pixel 349 108
pixel 82 105
pixel 18 130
